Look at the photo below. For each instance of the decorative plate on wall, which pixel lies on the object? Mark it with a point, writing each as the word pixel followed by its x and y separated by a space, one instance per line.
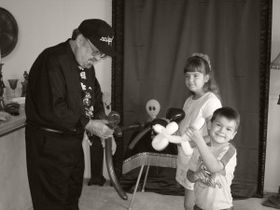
pixel 8 32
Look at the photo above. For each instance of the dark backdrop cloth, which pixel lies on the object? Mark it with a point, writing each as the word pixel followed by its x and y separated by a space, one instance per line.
pixel 159 35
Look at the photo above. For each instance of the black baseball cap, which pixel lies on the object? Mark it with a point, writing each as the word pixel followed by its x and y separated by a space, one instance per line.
pixel 99 33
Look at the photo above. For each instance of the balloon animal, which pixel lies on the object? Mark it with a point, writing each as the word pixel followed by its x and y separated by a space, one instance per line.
pixel 165 136
pixel 172 115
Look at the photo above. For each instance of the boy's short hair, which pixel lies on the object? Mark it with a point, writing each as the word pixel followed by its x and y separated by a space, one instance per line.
pixel 229 113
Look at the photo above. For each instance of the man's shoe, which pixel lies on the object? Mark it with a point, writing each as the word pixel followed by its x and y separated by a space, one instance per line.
pixel 97 181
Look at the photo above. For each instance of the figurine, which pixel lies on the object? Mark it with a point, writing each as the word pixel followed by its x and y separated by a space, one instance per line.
pixel 24 84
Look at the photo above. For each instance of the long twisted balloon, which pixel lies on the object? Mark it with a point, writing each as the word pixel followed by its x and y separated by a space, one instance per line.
pixel 114 120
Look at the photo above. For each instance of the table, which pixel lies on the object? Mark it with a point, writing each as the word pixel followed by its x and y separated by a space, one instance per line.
pixel 14 193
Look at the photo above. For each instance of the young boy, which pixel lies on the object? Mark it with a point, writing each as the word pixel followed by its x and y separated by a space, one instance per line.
pixel 212 167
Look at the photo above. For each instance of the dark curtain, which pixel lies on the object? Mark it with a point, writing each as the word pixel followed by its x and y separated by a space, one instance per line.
pixel 154 38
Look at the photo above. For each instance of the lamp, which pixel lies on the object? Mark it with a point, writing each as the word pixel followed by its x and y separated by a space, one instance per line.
pixel 275 64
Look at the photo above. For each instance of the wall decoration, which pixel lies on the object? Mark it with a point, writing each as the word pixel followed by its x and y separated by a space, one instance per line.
pixel 8 32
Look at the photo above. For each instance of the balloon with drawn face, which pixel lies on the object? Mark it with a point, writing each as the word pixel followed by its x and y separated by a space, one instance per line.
pixel 152 108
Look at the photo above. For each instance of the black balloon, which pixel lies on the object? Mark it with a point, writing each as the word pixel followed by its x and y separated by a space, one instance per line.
pixel 175 114
pixel 113 120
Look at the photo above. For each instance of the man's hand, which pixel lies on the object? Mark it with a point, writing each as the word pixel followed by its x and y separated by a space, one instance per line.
pixel 99 128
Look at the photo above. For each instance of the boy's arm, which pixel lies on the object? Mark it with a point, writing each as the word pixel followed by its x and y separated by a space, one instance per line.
pixel 210 161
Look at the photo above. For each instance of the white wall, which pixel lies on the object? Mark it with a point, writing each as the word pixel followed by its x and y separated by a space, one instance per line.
pixel 272 166
pixel 44 23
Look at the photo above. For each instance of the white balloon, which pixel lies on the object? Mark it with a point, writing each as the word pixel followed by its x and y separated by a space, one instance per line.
pixel 158 128
pixel 164 136
pixel 171 128
pixel 185 137
pixel 186 147
pixel 175 139
pixel 160 142
pixel 152 108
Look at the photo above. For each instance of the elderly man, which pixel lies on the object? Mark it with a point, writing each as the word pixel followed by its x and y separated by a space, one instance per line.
pixel 63 101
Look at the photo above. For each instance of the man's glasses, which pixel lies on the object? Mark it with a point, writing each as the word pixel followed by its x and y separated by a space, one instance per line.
pixel 95 51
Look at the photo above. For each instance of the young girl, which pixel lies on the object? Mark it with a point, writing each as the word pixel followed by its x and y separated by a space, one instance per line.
pixel 199 107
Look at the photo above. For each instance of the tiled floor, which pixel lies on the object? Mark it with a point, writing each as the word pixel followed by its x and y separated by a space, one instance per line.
pixel 106 198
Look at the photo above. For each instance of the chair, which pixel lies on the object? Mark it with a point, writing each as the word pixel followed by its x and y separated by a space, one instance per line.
pixel 147 159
